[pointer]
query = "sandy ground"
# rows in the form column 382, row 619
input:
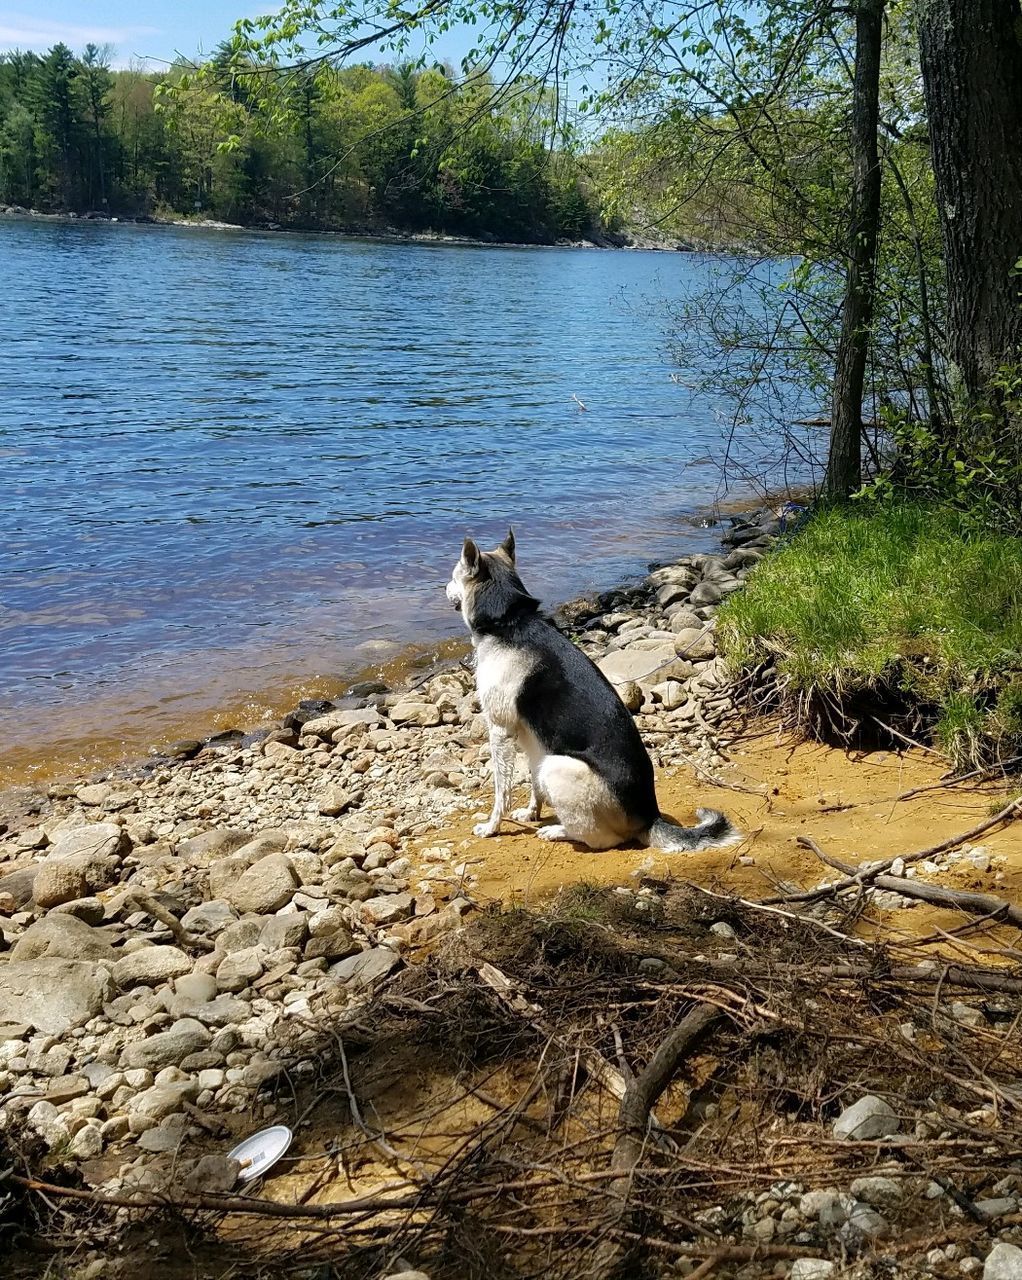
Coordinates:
column 792, row 790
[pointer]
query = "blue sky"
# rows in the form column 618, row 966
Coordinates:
column 143, row 29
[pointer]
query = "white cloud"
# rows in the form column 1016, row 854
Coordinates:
column 18, row 31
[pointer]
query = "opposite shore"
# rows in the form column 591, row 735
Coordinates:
column 633, row 239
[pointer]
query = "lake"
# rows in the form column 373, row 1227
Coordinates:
column 237, row 467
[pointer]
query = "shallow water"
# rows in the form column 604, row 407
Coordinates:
column 237, row 467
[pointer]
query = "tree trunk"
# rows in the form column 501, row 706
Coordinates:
column 971, row 57
column 844, row 465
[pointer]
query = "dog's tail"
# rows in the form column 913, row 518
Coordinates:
column 713, row 831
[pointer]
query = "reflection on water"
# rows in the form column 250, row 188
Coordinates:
column 229, row 460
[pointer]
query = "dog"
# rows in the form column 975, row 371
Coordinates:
column 542, row 695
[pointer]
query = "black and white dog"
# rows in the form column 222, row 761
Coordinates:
column 541, row 694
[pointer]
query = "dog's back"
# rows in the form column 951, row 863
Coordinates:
column 573, row 710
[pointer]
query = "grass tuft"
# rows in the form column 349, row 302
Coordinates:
column 905, row 602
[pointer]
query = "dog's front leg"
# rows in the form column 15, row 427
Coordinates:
column 534, row 809
column 502, row 762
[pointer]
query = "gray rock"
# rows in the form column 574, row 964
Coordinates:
column 241, row 934
column 162, row 1100
column 62, row 881
column 880, row 1192
column 94, row 840
column 1004, row 1262
column 870, row 1117
column 64, row 937
column 334, row 801
column 200, row 851
column 51, row 994
column 335, row 724
column 722, row 929
column 288, row 930
column 167, row 1048
column 151, row 967
column 332, row 946
column 86, row 1144
column 695, row 644
column 48, row 1122
column 424, row 714
column 365, row 968
column 705, row 593
column 18, row 885
column 811, row 1269
column 997, row 1206
column 210, row 1173
column 863, row 1223
column 266, row 886
column 209, row 918
column 814, row 1203
column 90, row 910
column 220, row 1012
column 388, row 908
column 197, row 988
column 239, row 969
column 165, row 1136
column 625, row 665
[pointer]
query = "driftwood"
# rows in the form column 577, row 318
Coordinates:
column 867, row 875
column 980, row 904
column 145, row 902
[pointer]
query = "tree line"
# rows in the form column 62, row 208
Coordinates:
column 360, row 147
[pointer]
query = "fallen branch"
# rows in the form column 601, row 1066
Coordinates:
column 635, row 1116
column 865, row 876
column 980, row 904
column 151, row 907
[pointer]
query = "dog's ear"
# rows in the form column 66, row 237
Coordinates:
column 508, row 545
column 470, row 557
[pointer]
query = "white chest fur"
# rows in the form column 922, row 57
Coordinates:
column 500, row 672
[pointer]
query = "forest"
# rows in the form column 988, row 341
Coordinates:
column 364, row 148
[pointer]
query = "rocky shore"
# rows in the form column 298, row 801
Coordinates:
column 172, row 937
column 176, row 938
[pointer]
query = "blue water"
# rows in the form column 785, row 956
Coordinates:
column 230, row 459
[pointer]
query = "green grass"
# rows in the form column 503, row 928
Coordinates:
column 900, row 599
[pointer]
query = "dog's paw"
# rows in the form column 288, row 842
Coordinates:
column 525, row 815
column 485, row 829
column 555, row 832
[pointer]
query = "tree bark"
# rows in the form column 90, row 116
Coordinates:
column 844, row 465
column 971, row 57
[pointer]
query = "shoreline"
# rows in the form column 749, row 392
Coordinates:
column 179, row 941
column 250, row 713
column 632, row 241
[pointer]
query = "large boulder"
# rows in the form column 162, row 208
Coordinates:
column 51, row 994
column 151, row 966
column 637, row 664
column 94, row 840
column 82, row 861
column 167, row 1048
column 201, row 850
column 265, row 887
column 65, row 937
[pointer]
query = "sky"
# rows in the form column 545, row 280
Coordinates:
column 147, row 30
